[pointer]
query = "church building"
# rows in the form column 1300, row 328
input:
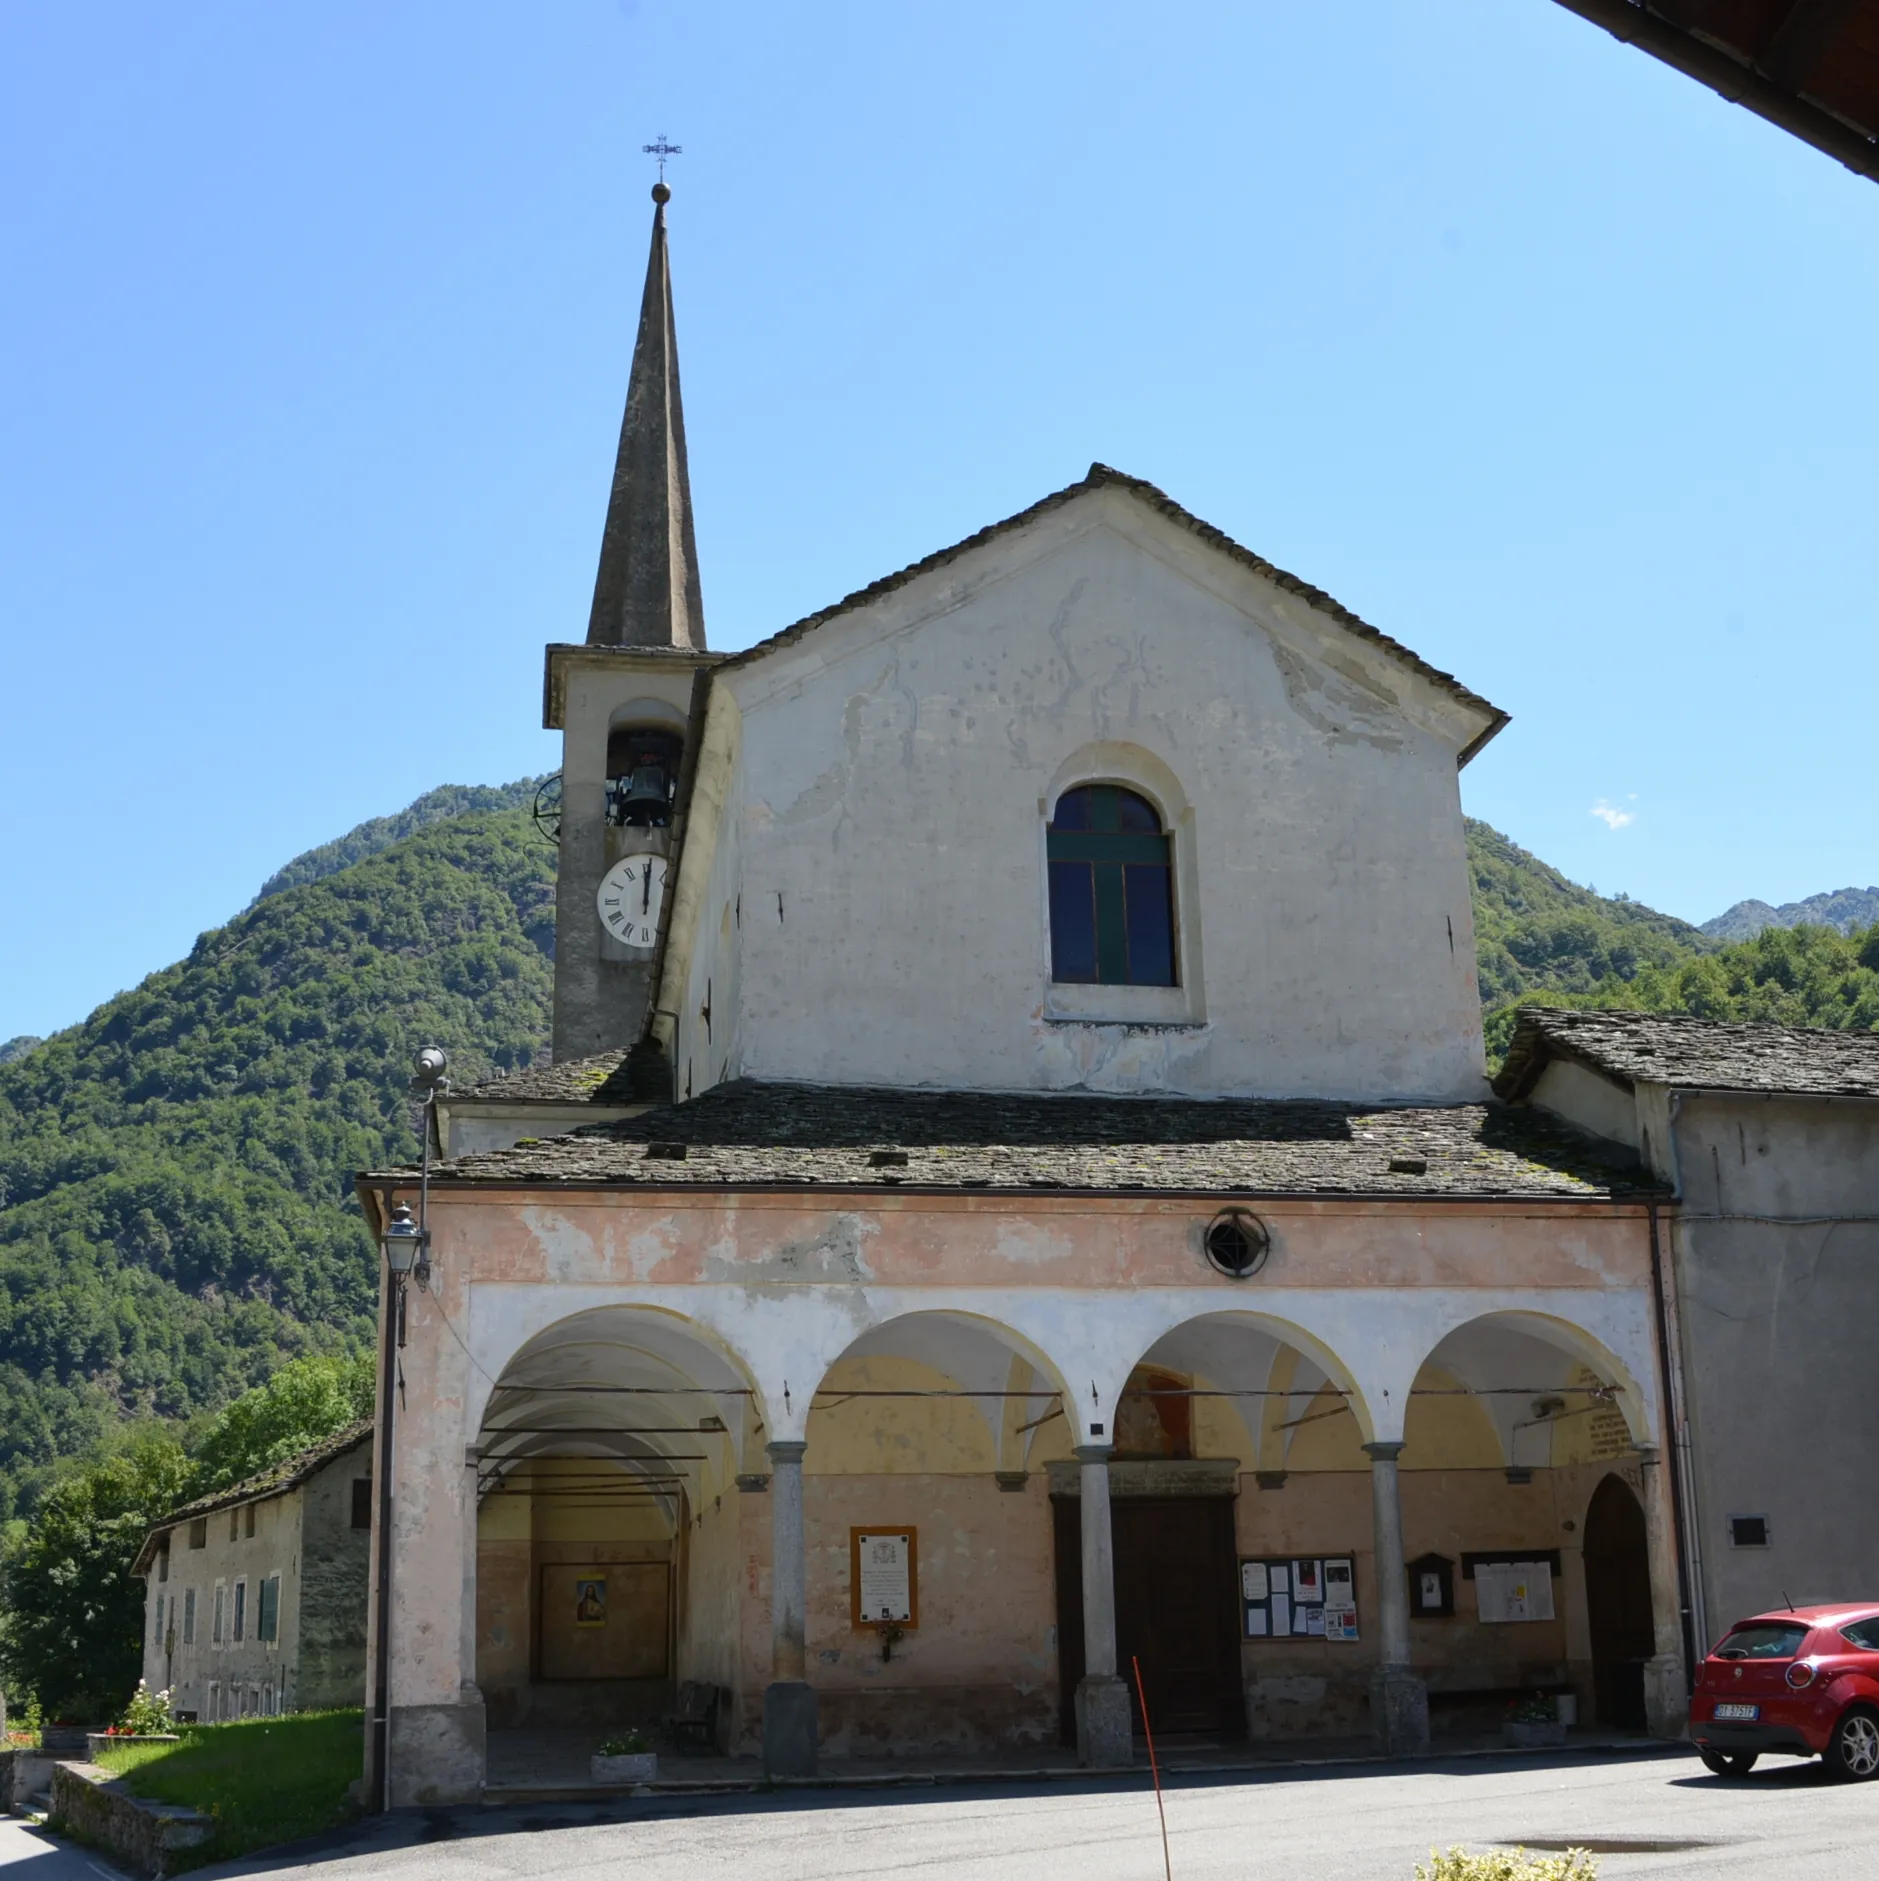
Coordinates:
column 1017, row 1197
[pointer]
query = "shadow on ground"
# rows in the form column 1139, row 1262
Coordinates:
column 469, row 1823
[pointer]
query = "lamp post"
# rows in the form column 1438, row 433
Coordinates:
column 407, row 1245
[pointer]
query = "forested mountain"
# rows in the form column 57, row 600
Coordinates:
column 176, row 1206
column 1846, row 909
column 380, row 832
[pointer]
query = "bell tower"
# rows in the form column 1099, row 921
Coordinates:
column 622, row 703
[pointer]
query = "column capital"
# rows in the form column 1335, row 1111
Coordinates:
column 1383, row 1452
column 1088, row 1453
column 784, row 1452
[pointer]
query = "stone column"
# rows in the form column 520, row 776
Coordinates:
column 1399, row 1701
column 1105, row 1738
column 789, row 1700
column 1666, row 1688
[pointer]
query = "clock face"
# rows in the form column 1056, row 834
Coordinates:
column 630, row 894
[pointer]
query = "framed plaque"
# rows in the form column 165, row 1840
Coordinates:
column 884, row 1576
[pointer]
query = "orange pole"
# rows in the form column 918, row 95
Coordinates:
column 1154, row 1769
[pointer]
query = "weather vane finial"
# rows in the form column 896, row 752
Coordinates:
column 662, row 150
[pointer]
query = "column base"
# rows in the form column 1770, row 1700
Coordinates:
column 438, row 1753
column 1666, row 1702
column 1399, row 1709
column 790, row 1729
column 1105, row 1735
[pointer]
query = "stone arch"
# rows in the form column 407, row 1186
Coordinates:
column 1517, row 1358
column 1007, row 1380
column 630, row 1381
column 1203, row 1345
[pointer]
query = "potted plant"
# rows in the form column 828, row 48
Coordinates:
column 147, row 1719
column 1533, row 1724
column 626, row 1757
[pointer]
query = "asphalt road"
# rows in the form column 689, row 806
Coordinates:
column 1652, row 1815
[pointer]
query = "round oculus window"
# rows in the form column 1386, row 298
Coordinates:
column 1237, row 1244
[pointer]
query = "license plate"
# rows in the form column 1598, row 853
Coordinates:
column 1745, row 1714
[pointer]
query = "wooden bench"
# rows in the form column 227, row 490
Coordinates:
column 696, row 1715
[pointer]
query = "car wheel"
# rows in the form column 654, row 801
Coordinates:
column 1852, row 1753
column 1729, row 1763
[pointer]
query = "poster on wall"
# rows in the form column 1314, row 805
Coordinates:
column 1510, row 1591
column 1298, row 1597
column 884, row 1582
column 590, row 1601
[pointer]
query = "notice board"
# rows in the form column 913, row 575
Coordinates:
column 1298, row 1597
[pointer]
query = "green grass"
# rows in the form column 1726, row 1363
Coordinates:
column 264, row 1780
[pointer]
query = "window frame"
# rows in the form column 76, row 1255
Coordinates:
column 1095, row 1002
column 189, row 1616
column 267, row 1611
column 238, row 1613
column 218, row 1617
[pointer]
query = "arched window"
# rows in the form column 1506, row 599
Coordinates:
column 1111, row 890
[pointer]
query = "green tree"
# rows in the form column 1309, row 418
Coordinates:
column 74, row 1611
column 306, row 1401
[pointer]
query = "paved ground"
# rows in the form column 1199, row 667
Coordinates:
column 1653, row 1815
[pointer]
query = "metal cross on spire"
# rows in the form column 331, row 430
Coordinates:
column 662, row 150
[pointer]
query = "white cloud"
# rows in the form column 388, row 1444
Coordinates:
column 1611, row 816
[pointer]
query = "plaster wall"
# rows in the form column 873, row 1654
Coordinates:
column 1776, row 1249
column 1593, row 1102
column 317, row 1659
column 1070, row 1292
column 899, row 763
column 601, row 993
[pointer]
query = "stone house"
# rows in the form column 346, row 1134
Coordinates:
column 255, row 1598
column 1769, row 1136
column 1041, row 1205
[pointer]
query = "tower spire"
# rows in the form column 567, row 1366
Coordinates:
column 646, row 592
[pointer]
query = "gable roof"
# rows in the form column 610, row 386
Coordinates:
column 1102, row 477
column 289, row 1473
column 747, row 1134
column 1697, row 1054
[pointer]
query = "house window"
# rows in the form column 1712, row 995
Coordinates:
column 268, row 1620
column 234, row 1525
column 220, row 1615
column 362, row 1502
column 189, row 1616
column 241, row 1612
column 199, row 1533
column 247, row 1522
column 163, row 1562
column 156, row 1631
column 1111, row 890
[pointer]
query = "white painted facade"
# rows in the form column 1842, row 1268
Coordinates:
column 872, row 808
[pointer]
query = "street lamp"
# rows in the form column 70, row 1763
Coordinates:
column 404, row 1240
column 407, row 1245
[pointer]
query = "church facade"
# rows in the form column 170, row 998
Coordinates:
column 1016, row 1226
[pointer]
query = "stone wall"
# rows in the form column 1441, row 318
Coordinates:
column 89, row 1803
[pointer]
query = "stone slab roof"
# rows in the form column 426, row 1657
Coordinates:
column 289, row 1473
column 749, row 1134
column 601, row 1079
column 1101, row 476
column 1697, row 1054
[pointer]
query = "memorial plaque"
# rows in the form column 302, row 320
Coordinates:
column 884, row 1580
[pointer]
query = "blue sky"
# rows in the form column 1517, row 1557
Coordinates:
column 1528, row 349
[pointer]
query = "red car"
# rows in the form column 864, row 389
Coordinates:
column 1803, row 1682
